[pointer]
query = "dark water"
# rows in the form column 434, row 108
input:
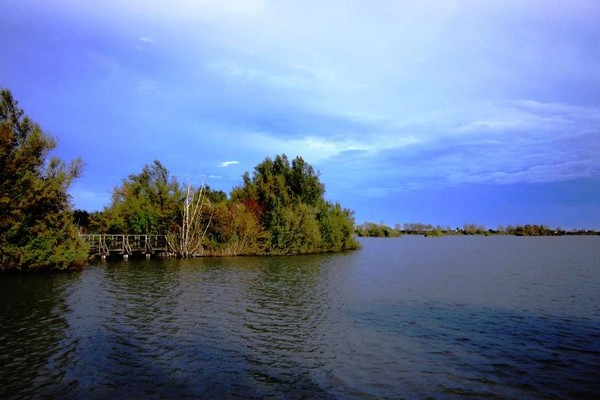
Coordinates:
column 441, row 318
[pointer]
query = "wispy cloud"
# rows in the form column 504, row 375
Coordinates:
column 288, row 78
column 533, row 116
column 320, row 148
column 519, row 142
column 226, row 164
column 147, row 39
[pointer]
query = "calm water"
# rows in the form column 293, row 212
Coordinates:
column 413, row 317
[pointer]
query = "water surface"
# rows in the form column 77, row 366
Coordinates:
column 412, row 317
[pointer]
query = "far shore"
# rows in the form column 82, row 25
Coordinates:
column 370, row 229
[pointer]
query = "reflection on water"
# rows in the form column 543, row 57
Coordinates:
column 402, row 318
column 33, row 331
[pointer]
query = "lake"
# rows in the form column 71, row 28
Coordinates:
column 411, row 317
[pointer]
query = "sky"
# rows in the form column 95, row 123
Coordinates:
column 442, row 112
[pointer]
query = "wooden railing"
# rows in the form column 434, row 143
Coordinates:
column 107, row 244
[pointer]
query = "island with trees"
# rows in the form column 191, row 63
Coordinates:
column 278, row 210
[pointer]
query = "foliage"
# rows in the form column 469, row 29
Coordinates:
column 280, row 210
column 337, row 227
column 419, row 228
column 153, row 202
column 473, row 229
column 434, row 233
column 531, row 230
column 235, row 230
column 371, row 229
column 145, row 203
column 287, row 199
column 36, row 230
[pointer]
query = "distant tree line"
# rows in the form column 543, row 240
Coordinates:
column 279, row 210
column 370, row 229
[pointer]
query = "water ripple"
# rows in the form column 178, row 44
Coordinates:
column 391, row 321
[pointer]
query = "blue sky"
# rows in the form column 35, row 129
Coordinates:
column 443, row 112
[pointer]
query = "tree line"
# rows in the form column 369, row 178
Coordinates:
column 371, row 229
column 278, row 210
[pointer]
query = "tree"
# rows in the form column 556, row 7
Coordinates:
column 235, row 230
column 287, row 199
column 189, row 233
column 145, row 203
column 337, row 227
column 153, row 202
column 473, row 229
column 36, row 228
column 372, row 229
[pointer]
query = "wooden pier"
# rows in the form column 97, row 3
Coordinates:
column 104, row 245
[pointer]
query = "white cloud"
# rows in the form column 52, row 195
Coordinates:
column 564, row 110
column 226, row 164
column 317, row 148
column 530, row 116
column 290, row 78
column 147, row 39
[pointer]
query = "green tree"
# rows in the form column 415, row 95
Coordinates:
column 287, row 199
column 371, row 229
column 146, row 203
column 337, row 227
column 36, row 228
column 153, row 202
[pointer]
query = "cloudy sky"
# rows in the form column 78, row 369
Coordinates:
column 443, row 112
